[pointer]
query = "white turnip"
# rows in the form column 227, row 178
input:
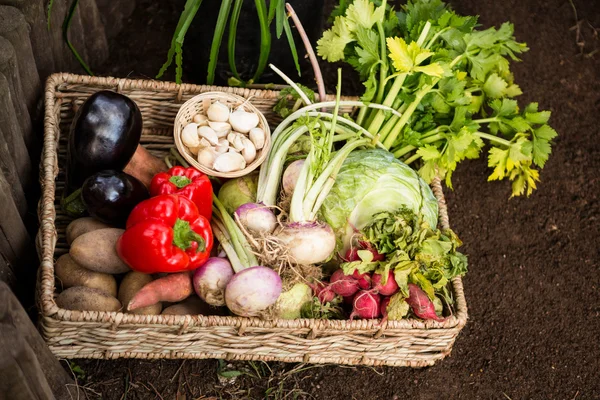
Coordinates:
column 307, row 242
column 211, row 279
column 257, row 218
column 252, row 291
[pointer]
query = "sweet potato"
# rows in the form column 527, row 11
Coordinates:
column 83, row 225
column 144, row 166
column 70, row 274
column 172, row 288
column 130, row 286
column 82, row 298
column 97, row 251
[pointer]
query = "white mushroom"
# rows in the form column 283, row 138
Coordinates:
column 257, row 135
column 242, row 121
column 207, row 157
column 209, row 134
column 222, row 147
column 200, row 119
column 229, row 162
column 249, row 151
column 221, row 128
column 189, row 136
column 218, row 112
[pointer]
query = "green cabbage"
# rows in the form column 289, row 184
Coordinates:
column 372, row 181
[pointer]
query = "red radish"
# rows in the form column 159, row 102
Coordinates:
column 390, row 286
column 344, row 285
column 323, row 292
column 171, row 288
column 420, row 304
column 368, row 246
column 366, row 305
column 364, row 279
column 351, row 255
column 384, row 305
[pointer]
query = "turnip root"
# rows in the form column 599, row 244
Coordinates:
column 70, row 274
column 83, row 225
column 252, row 291
column 344, row 285
column 257, row 218
column 420, row 304
column 210, row 280
column 389, row 288
column 130, row 285
column 289, row 304
column 171, row 288
column 290, row 176
column 307, row 242
column 82, row 298
column 366, row 305
column 144, row 166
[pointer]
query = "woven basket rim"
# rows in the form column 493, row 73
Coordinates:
column 263, row 124
column 46, row 238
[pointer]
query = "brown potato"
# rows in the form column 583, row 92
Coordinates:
column 83, row 225
column 131, row 284
column 97, row 251
column 70, row 274
column 82, row 298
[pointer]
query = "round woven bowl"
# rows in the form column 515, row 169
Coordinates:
column 198, row 105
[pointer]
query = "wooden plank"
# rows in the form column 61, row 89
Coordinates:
column 11, row 132
column 114, row 15
column 12, row 230
column 28, row 370
column 15, row 29
column 41, row 39
column 64, row 59
column 95, row 36
column 10, row 69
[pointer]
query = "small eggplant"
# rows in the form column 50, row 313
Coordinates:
column 109, row 196
column 104, row 135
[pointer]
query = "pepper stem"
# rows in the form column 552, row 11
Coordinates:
column 184, row 236
column 180, row 181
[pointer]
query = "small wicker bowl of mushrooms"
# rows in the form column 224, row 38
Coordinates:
column 222, row 134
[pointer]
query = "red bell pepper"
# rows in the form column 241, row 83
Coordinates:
column 165, row 233
column 187, row 182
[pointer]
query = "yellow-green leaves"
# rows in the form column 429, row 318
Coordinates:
column 514, row 162
column 363, row 13
column 407, row 58
column 331, row 46
column 496, row 87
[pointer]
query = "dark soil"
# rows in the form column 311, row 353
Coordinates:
column 533, row 287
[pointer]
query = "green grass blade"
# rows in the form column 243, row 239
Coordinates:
column 66, row 26
column 233, row 23
column 217, row 38
column 272, row 8
column 265, row 38
column 279, row 18
column 292, row 44
column 185, row 20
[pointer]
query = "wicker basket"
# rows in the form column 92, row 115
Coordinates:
column 197, row 105
column 109, row 335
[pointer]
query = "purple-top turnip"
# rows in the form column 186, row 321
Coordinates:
column 211, row 279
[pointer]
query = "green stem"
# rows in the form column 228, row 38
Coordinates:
column 217, row 38
column 493, row 138
column 389, row 100
column 362, row 113
column 265, row 38
column 485, row 120
column 383, row 68
column 424, row 34
column 178, row 157
column 233, row 23
column 221, row 234
column 428, row 138
column 415, row 157
column 73, row 204
column 435, row 37
column 391, row 138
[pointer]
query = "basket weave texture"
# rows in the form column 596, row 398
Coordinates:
column 110, row 335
